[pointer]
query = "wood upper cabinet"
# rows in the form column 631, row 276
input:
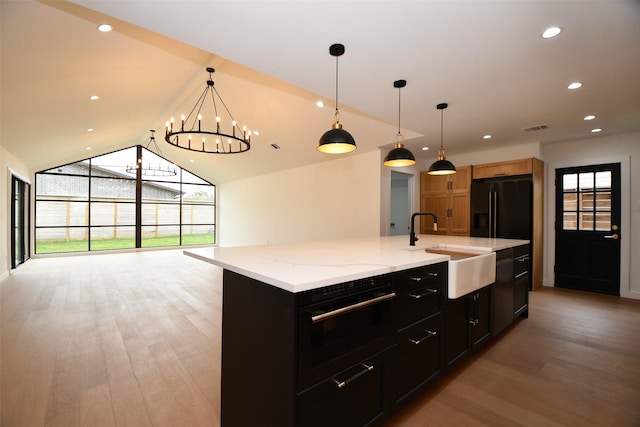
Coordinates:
column 508, row 168
column 447, row 196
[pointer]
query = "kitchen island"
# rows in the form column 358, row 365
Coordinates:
column 338, row 332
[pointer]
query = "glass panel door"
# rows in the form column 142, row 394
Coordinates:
column 20, row 222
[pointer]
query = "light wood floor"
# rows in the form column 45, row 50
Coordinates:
column 134, row 340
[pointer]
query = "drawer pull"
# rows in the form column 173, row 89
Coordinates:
column 426, row 292
column 426, row 337
column 473, row 322
column 428, row 274
column 342, row 384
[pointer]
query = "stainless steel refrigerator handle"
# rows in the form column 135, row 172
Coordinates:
column 334, row 313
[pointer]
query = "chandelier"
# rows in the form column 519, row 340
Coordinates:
column 149, row 169
column 192, row 132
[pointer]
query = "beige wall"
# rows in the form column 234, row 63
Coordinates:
column 335, row 199
column 8, row 165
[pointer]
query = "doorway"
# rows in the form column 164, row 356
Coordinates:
column 588, row 234
column 20, row 221
column 400, row 203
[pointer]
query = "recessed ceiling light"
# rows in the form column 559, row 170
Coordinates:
column 574, row 85
column 256, row 133
column 551, row 32
column 104, row 28
column 88, row 148
column 319, row 104
column 425, row 148
column 596, row 130
column 192, row 161
column 486, row 137
column 94, row 97
column 589, row 117
column 90, row 130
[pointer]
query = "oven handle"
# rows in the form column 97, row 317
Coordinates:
column 342, row 310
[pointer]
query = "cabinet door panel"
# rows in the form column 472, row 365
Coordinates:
column 438, row 204
column 433, row 183
column 461, row 180
column 481, row 328
column 457, row 323
column 417, row 359
column 515, row 167
column 459, row 221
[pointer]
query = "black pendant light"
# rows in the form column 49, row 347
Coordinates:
column 336, row 140
column 442, row 166
column 399, row 156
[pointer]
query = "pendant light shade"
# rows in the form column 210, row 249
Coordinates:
column 336, row 140
column 442, row 166
column 399, row 156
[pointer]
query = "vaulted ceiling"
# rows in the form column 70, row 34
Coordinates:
column 487, row 59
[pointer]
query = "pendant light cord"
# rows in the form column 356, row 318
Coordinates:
column 337, row 86
column 399, row 90
column 441, row 128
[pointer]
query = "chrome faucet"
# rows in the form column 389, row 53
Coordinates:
column 412, row 235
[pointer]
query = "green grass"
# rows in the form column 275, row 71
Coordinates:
column 122, row 243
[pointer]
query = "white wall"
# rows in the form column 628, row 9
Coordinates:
column 8, row 165
column 330, row 200
column 624, row 149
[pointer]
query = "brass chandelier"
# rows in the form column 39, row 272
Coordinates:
column 204, row 131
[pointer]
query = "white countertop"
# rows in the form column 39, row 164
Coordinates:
column 298, row 267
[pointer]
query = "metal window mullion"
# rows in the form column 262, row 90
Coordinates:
column 138, row 242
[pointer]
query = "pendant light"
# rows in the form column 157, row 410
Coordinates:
column 336, row 140
column 399, row 156
column 442, row 166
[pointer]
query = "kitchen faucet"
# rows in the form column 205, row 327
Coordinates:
column 412, row 235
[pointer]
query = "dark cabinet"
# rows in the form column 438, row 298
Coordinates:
column 353, row 397
column 420, row 293
column 468, row 323
column 510, row 292
column 480, row 320
column 418, row 354
column 417, row 359
column 522, row 280
column 502, row 292
column 395, row 336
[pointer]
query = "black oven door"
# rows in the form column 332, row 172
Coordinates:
column 334, row 335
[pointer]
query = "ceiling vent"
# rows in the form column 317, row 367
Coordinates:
column 535, row 128
column 275, row 146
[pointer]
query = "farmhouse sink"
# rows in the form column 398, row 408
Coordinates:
column 468, row 270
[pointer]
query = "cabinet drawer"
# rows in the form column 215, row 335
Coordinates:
column 417, row 359
column 420, row 293
column 521, row 267
column 353, row 397
column 521, row 297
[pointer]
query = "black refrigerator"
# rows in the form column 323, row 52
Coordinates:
column 501, row 207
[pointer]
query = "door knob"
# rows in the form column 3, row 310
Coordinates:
column 613, row 236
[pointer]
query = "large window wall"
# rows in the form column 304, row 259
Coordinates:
column 130, row 198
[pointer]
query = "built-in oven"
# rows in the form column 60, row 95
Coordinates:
column 340, row 325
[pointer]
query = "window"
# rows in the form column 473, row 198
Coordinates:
column 586, row 201
column 130, row 198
